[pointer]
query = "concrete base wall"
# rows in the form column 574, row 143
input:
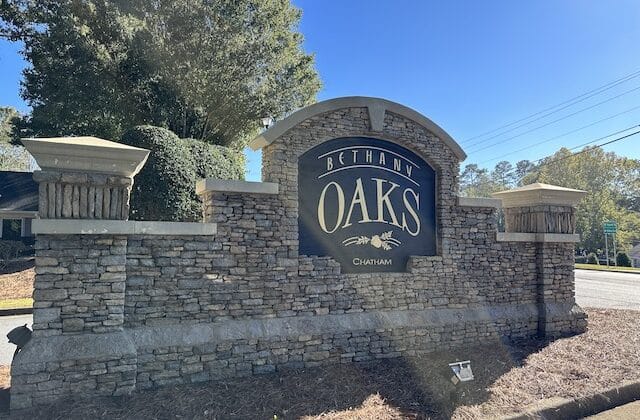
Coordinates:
column 146, row 357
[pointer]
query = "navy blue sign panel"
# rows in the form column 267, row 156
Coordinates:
column 368, row 203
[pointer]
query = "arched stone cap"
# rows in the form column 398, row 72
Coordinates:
column 377, row 108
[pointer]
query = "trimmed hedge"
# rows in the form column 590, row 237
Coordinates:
column 592, row 259
column 623, row 260
column 165, row 188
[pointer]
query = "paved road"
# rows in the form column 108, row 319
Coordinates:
column 604, row 289
column 7, row 323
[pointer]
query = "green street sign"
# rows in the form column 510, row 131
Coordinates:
column 610, row 227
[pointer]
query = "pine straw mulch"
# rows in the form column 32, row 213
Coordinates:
column 16, row 280
column 509, row 377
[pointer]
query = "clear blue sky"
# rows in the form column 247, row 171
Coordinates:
column 470, row 66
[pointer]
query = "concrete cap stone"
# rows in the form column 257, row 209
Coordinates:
column 479, row 202
column 86, row 154
column 539, row 194
column 120, row 227
column 235, row 186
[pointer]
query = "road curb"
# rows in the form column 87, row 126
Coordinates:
column 608, row 271
column 585, row 406
column 16, row 311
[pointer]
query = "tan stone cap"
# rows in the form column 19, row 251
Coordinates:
column 377, row 108
column 235, row 186
column 539, row 194
column 120, row 227
column 86, row 154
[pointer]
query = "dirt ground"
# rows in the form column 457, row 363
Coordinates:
column 16, row 280
column 508, row 378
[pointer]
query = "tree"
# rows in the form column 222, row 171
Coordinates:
column 204, row 69
column 476, row 182
column 503, row 176
column 14, row 158
column 523, row 167
column 8, row 119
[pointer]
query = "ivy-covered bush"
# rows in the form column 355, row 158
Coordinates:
column 165, row 187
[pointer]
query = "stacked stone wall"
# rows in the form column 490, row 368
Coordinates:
column 80, row 284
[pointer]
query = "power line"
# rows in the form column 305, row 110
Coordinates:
column 537, row 161
column 577, row 99
column 555, row 121
column 580, row 152
column 609, row 142
column 565, row 134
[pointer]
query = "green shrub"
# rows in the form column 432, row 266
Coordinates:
column 592, row 259
column 165, row 187
column 10, row 250
column 11, row 229
column 623, row 260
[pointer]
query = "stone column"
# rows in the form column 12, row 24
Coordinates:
column 545, row 214
column 80, row 281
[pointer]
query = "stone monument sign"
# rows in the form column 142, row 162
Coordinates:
column 355, row 246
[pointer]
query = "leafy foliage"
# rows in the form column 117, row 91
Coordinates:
column 165, row 187
column 9, row 117
column 203, row 69
column 592, row 259
column 14, row 158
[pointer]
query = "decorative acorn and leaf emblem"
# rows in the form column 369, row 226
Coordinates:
column 383, row 240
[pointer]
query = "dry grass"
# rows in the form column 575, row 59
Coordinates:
column 605, row 268
column 16, row 303
column 16, row 280
column 509, row 377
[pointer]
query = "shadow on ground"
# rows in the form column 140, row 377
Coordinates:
column 410, row 387
column 15, row 266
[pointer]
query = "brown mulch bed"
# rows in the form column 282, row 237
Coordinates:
column 509, row 377
column 16, row 280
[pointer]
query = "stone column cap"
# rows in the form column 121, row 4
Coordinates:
column 235, row 186
column 86, row 154
column 539, row 194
